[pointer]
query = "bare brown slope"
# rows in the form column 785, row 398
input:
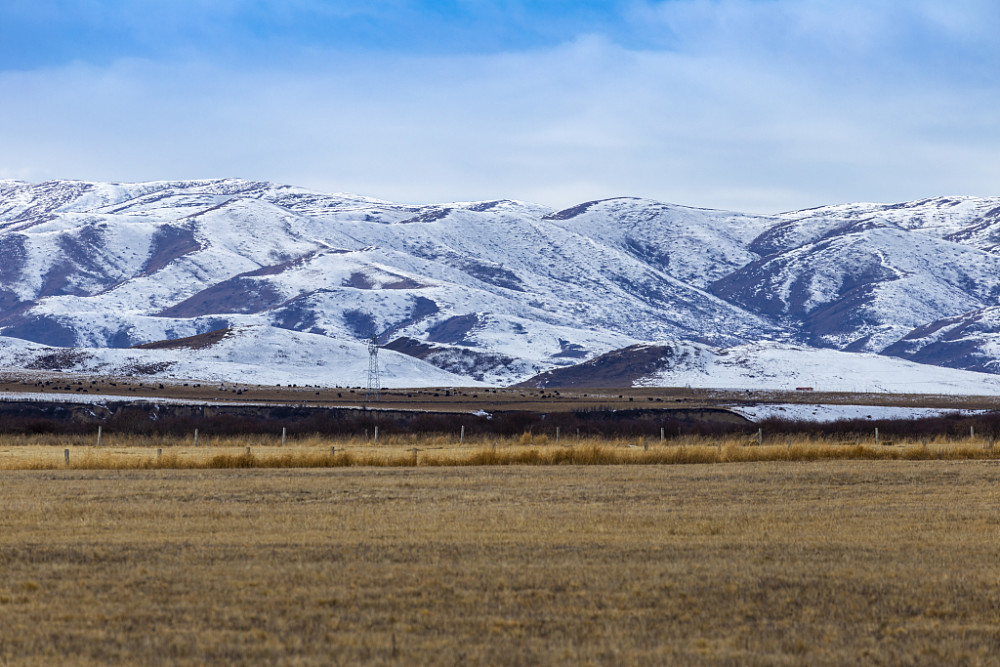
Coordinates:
column 199, row 342
column 618, row 368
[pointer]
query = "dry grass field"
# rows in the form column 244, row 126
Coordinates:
column 816, row 562
column 130, row 452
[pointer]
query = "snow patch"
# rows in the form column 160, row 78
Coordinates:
column 830, row 413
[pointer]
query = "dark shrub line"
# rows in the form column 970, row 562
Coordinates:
column 180, row 421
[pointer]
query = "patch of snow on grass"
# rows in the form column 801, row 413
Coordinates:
column 831, row 413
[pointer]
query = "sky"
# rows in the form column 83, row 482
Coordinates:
column 751, row 105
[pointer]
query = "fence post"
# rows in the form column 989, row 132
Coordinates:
column 557, row 434
column 760, row 436
column 282, row 436
column 248, row 451
column 645, row 445
column 663, row 435
column 461, row 434
column 375, row 440
column 159, row 452
column 66, row 455
column 972, row 431
column 876, row 435
column 98, row 436
column 333, row 450
column 196, row 437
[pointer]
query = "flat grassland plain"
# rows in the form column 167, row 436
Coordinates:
column 790, row 562
column 419, row 549
column 457, row 399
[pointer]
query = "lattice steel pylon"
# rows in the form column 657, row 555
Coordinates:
column 374, row 382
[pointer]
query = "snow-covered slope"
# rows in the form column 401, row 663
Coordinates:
column 942, row 217
column 865, row 286
column 970, row 340
column 496, row 291
column 693, row 245
column 250, row 355
column 767, row 366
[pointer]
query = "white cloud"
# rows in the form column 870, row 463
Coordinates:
column 724, row 119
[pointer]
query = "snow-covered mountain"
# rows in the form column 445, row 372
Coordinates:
column 495, row 291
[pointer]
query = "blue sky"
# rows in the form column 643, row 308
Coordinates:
column 755, row 105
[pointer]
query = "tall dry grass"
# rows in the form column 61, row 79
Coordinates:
column 153, row 452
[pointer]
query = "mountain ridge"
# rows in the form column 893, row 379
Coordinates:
column 517, row 287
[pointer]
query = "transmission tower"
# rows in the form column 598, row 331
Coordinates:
column 374, row 383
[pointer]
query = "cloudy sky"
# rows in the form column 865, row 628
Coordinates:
column 753, row 105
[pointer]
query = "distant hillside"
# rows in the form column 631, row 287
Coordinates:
column 494, row 292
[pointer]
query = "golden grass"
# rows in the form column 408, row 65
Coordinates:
column 819, row 563
column 48, row 452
